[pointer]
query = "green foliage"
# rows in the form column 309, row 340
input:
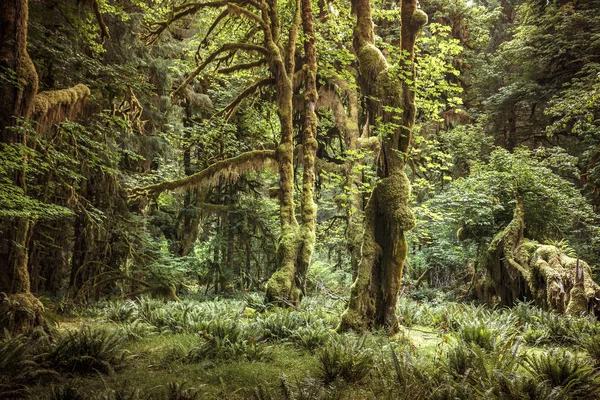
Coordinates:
column 87, row 350
column 347, row 358
column 566, row 373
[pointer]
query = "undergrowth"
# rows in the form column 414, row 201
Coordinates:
column 244, row 348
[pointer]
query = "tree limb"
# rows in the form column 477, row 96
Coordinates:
column 250, row 90
column 225, row 48
column 243, row 67
column 245, row 162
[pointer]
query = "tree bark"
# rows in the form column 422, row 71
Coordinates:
column 16, row 100
column 387, row 215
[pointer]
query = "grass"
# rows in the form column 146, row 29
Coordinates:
column 244, row 349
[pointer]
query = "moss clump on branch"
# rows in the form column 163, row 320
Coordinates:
column 389, row 88
column 46, row 101
column 54, row 106
column 419, row 18
column 392, row 194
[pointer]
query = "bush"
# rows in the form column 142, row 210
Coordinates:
column 346, row 358
column 565, row 373
column 87, row 350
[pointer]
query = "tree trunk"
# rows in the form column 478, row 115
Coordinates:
column 519, row 269
column 387, row 215
column 294, row 250
column 17, row 101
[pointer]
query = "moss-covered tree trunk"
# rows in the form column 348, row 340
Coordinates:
column 296, row 245
column 387, row 215
column 16, row 100
column 517, row 268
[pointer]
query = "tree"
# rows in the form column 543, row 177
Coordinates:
column 265, row 38
column 390, row 106
column 20, row 100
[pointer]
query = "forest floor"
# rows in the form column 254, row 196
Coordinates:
column 243, row 349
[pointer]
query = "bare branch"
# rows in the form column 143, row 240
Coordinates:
column 248, row 14
column 225, row 48
column 250, row 90
column 178, row 12
column 243, row 67
column 231, row 167
column 215, row 23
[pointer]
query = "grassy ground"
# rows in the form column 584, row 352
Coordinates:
column 242, row 349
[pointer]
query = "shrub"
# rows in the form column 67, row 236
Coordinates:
column 281, row 324
column 18, row 367
column 87, row 350
column 592, row 346
column 565, row 372
column 346, row 358
column 313, row 336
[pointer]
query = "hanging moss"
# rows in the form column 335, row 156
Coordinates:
column 46, row 101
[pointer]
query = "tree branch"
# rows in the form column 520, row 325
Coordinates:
column 243, row 67
column 231, row 167
column 250, row 90
column 226, row 47
column 104, row 33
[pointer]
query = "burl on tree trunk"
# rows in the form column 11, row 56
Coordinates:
column 521, row 269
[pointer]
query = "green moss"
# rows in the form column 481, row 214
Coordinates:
column 281, row 287
column 393, row 193
column 419, row 18
column 578, row 301
column 352, row 321
column 389, row 88
column 371, row 62
column 46, row 101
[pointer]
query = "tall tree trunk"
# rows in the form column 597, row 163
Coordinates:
column 16, row 100
column 296, row 245
column 387, row 215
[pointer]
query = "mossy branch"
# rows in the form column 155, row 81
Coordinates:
column 54, row 106
column 231, row 167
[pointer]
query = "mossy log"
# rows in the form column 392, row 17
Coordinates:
column 521, row 269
